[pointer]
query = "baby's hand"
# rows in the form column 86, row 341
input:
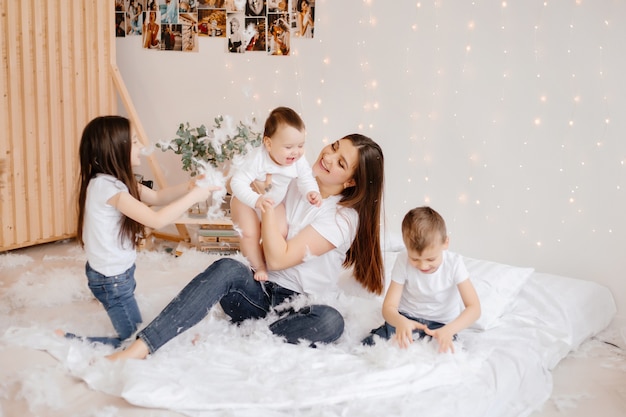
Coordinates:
column 262, row 203
column 314, row 198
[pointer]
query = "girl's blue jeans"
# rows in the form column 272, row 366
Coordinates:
column 232, row 284
column 386, row 331
column 116, row 293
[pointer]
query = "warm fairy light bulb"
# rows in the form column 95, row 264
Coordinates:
column 325, row 120
column 471, row 25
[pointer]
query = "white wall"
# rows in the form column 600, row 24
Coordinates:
column 507, row 117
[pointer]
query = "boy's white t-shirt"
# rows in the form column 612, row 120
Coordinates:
column 101, row 228
column 433, row 296
column 257, row 165
column 317, row 275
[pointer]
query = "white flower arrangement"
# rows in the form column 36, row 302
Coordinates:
column 205, row 152
column 226, row 140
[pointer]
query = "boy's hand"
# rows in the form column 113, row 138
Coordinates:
column 314, row 198
column 404, row 332
column 443, row 337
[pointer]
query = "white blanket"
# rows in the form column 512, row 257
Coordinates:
column 219, row 369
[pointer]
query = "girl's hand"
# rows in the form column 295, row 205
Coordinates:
column 203, row 193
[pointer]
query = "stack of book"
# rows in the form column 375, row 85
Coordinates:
column 218, row 237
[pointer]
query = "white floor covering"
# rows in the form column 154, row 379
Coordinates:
column 590, row 381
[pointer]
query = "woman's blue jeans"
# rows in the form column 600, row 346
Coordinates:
column 232, row 284
column 117, row 295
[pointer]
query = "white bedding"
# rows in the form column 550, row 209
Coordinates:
column 501, row 368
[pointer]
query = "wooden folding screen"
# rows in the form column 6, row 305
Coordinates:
column 55, row 77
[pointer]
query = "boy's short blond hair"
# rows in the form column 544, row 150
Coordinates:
column 422, row 227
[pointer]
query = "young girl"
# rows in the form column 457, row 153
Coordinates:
column 281, row 157
column 343, row 232
column 112, row 211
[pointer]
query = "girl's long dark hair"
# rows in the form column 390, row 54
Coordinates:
column 366, row 198
column 105, row 148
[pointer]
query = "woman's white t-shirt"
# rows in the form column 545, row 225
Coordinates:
column 317, row 275
column 101, row 228
column 433, row 296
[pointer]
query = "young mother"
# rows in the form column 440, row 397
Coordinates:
column 344, row 231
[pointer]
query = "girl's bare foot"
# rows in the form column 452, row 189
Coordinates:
column 137, row 350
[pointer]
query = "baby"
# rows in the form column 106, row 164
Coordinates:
column 281, row 157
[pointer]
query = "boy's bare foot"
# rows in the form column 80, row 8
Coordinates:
column 137, row 350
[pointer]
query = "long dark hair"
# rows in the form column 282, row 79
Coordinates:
column 105, row 147
column 366, row 198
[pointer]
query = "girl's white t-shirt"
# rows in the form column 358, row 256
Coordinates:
column 433, row 296
column 101, row 228
column 317, row 275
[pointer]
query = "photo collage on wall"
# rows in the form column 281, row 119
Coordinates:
column 265, row 26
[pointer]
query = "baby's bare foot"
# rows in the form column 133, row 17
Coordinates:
column 260, row 275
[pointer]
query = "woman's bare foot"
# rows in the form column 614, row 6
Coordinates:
column 137, row 350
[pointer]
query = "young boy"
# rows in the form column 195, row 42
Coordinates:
column 427, row 286
column 280, row 156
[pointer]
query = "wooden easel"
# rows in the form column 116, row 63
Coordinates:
column 183, row 233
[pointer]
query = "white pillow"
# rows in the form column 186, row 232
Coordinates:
column 497, row 286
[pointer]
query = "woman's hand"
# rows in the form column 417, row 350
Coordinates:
column 261, row 187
